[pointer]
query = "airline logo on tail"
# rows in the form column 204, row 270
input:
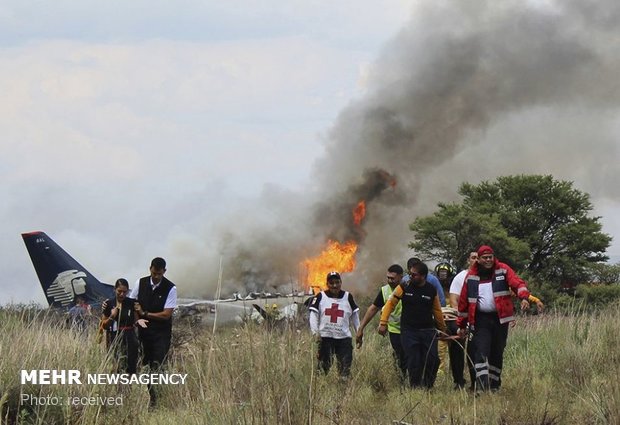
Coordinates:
column 61, row 276
column 66, row 286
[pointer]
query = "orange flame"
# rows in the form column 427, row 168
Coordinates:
column 359, row 212
column 336, row 257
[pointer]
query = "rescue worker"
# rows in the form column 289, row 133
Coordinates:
column 445, row 273
column 433, row 280
column 457, row 357
column 485, row 305
column 420, row 317
column 275, row 312
column 456, row 348
column 394, row 277
column 332, row 312
column 273, row 315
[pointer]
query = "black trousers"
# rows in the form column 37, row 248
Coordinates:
column 125, row 346
column 420, row 347
column 399, row 354
column 490, row 338
column 342, row 349
column 155, row 347
column 458, row 360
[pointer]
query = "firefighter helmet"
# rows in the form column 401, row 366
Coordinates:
column 444, row 267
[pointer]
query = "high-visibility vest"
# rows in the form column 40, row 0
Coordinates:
column 394, row 320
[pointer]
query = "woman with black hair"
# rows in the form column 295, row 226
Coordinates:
column 119, row 319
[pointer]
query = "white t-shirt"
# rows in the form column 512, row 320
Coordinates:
column 486, row 299
column 457, row 283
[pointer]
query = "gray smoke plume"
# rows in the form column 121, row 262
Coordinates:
column 334, row 218
column 466, row 91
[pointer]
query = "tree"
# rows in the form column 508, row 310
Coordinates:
column 605, row 274
column 544, row 223
column 454, row 231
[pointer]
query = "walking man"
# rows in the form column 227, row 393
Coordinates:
column 332, row 312
column 485, row 305
column 420, row 317
column 394, row 277
column 157, row 299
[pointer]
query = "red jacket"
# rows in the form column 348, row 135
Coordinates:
column 503, row 279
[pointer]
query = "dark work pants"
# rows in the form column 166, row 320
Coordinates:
column 420, row 346
column 490, row 340
column 399, row 354
column 155, row 346
column 458, row 360
column 342, row 349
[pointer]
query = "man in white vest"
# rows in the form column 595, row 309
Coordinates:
column 332, row 312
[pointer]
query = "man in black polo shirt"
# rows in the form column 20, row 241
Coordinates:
column 157, row 299
column 420, row 317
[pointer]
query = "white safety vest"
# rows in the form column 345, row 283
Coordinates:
column 334, row 316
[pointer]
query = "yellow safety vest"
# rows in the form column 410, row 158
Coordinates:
column 394, row 320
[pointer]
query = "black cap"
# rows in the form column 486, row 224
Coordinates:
column 333, row 275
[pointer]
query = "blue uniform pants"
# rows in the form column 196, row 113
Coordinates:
column 420, row 347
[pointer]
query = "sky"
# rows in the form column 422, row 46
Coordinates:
column 239, row 130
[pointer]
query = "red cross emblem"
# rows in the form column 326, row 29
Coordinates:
column 334, row 313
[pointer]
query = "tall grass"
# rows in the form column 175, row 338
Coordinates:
column 559, row 369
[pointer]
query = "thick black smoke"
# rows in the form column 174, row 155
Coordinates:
column 334, row 218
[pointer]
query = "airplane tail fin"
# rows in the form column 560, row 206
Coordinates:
column 62, row 277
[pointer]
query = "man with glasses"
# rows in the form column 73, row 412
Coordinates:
column 420, row 317
column 485, row 305
column 394, row 276
column 431, row 278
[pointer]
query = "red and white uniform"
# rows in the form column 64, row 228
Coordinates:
column 491, row 295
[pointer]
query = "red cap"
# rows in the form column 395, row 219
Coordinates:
column 484, row 249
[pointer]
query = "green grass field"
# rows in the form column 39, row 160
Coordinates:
column 559, row 369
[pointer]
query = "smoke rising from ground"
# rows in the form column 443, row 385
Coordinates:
column 466, row 91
